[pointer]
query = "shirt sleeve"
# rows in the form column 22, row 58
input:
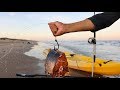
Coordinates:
column 104, row 20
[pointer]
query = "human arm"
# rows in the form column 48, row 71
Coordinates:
column 94, row 23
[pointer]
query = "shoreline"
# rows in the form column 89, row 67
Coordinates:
column 13, row 60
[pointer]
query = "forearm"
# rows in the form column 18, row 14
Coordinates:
column 94, row 23
column 85, row 25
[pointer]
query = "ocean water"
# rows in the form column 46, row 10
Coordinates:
column 109, row 50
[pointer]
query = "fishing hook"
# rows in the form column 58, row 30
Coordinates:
column 57, row 44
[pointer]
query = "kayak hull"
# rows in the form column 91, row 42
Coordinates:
column 101, row 66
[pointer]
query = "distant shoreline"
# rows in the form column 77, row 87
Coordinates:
column 13, row 60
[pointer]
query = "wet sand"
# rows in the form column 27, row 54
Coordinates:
column 13, row 60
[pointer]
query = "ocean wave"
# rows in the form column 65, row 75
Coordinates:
column 108, row 50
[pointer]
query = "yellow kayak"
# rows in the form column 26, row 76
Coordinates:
column 101, row 66
column 84, row 63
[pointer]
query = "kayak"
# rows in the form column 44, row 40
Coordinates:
column 84, row 63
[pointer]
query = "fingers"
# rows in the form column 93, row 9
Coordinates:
column 58, row 33
column 60, row 28
column 53, row 28
column 57, row 28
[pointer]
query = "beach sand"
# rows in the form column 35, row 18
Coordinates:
column 13, row 60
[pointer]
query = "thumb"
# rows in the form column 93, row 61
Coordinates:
column 59, row 32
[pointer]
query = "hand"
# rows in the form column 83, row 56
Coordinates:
column 57, row 28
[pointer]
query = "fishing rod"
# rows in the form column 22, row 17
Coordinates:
column 93, row 41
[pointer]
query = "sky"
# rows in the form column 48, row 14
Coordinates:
column 34, row 26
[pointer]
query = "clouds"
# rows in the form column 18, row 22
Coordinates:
column 46, row 17
column 11, row 13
